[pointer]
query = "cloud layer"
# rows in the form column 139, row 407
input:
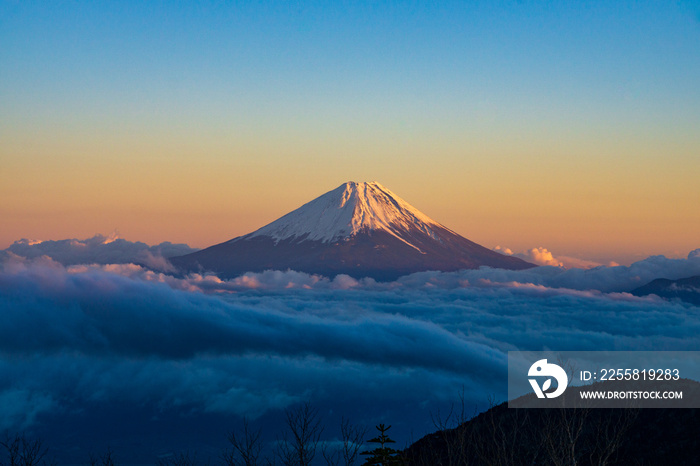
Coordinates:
column 542, row 256
column 77, row 339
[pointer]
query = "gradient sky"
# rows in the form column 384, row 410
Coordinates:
column 569, row 125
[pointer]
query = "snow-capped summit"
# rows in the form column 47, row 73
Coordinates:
column 350, row 209
column 358, row 229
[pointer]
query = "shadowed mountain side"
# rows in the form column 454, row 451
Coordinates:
column 375, row 254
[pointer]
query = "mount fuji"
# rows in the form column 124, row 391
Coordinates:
column 358, row 229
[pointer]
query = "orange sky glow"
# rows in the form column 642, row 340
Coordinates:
column 521, row 127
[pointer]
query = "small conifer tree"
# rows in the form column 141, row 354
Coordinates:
column 383, row 455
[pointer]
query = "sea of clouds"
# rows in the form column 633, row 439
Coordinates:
column 78, row 340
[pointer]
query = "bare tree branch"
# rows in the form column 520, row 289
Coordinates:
column 247, row 447
column 298, row 445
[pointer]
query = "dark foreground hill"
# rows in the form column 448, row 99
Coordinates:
column 507, row 436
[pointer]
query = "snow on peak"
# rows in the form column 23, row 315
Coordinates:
column 347, row 210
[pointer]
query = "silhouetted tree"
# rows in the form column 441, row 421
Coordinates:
column 383, row 455
column 246, row 447
column 106, row 459
column 22, row 451
column 450, row 427
column 352, row 437
column 298, row 446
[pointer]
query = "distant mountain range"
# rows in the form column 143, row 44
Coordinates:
column 685, row 289
column 358, row 229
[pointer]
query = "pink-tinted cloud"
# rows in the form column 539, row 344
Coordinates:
column 542, row 256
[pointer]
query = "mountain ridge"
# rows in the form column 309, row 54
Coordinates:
column 357, row 229
column 683, row 289
column 346, row 211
